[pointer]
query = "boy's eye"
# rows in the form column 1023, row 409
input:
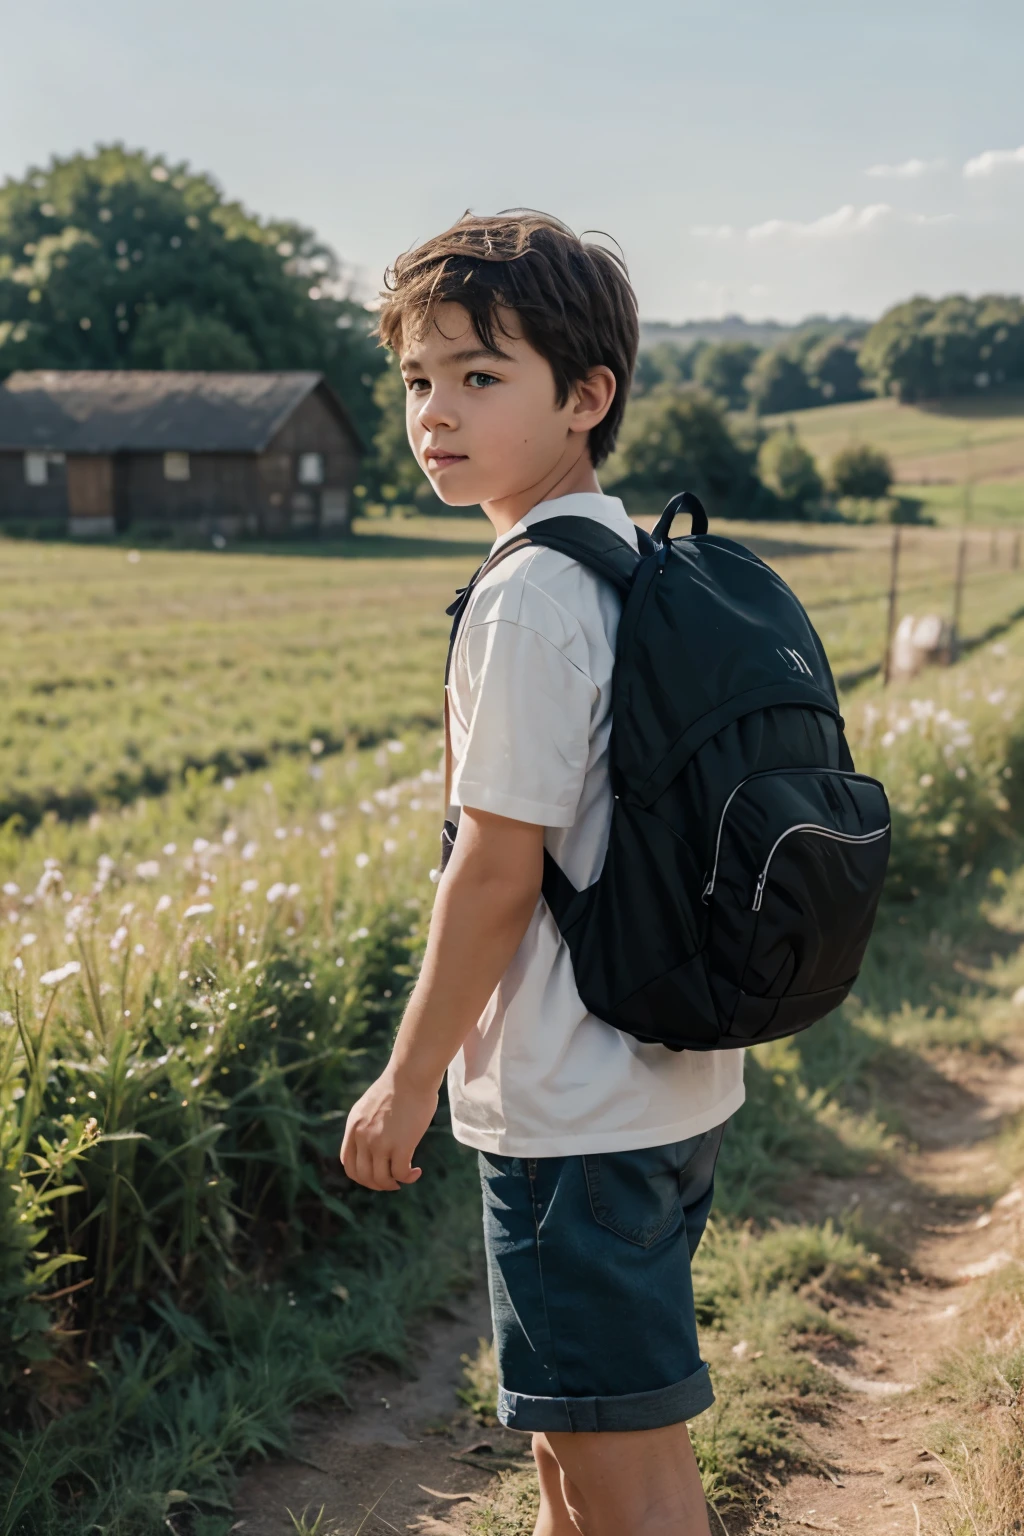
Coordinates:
column 416, row 386
column 480, row 380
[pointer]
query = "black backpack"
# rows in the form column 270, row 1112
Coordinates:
column 746, row 857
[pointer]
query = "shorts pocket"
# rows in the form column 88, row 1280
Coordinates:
column 636, row 1194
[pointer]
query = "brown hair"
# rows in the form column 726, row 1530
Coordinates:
column 574, row 301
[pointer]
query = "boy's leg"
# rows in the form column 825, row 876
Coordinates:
column 554, row 1518
column 645, row 1482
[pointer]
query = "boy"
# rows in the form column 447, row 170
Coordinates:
column 517, row 343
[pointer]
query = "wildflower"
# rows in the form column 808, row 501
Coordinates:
column 149, row 869
column 326, row 850
column 340, row 961
column 390, row 845
column 27, row 939
column 277, row 890
column 926, row 781
column 170, row 848
column 140, row 949
column 47, row 880
column 360, row 933
column 199, row 909
column 248, row 886
column 280, row 833
column 229, row 837
column 293, row 890
column 326, row 821
column 10, row 889
column 997, row 696
column 6, row 1019
column 396, row 747
column 250, row 850
column 888, row 738
column 18, row 965
column 362, row 859
column 366, row 806
column 316, row 746
column 268, row 788
column 961, row 772
column 316, row 771
column 163, row 904
column 228, row 784
column 999, row 650
column 104, row 868
column 119, row 936
column 54, row 978
column 200, row 844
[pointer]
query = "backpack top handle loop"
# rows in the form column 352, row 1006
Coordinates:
column 686, row 501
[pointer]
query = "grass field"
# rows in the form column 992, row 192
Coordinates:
column 123, row 669
column 935, row 448
column 200, row 971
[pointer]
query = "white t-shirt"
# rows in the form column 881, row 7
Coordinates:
column 529, row 702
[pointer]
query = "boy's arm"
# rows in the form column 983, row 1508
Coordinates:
column 484, row 905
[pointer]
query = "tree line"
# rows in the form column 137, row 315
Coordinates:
column 119, row 259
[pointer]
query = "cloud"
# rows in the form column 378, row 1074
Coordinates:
column 907, row 170
column 847, row 220
column 931, row 218
column 992, row 160
column 713, row 231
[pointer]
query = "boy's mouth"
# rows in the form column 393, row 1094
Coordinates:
column 440, row 458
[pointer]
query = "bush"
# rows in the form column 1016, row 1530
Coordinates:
column 787, row 468
column 861, row 471
column 676, row 440
column 778, row 383
column 886, row 509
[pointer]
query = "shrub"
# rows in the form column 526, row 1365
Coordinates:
column 861, row 471
column 787, row 468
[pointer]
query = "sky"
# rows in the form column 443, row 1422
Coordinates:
column 772, row 160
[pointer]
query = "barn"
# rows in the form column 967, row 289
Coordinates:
column 97, row 453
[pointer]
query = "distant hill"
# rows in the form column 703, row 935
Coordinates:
column 760, row 333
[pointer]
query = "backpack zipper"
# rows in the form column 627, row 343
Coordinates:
column 765, row 773
column 810, row 826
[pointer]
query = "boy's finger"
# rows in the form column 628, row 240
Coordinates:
column 403, row 1171
column 382, row 1178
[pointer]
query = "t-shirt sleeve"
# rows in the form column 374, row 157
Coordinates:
column 528, row 727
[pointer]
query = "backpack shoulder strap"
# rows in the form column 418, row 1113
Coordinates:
column 591, row 544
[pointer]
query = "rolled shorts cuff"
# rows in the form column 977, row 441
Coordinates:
column 593, row 1415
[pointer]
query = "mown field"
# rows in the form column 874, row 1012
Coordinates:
column 202, row 961
column 935, row 448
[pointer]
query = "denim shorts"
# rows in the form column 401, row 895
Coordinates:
column 588, row 1263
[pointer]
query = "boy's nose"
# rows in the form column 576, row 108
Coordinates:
column 437, row 412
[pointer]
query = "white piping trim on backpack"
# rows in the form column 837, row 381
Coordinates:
column 810, row 826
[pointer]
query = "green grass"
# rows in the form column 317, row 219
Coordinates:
column 944, row 443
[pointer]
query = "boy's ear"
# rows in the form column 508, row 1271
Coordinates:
column 591, row 399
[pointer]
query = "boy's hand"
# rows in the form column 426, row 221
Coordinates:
column 383, row 1131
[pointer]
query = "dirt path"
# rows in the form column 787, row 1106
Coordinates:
column 881, row 1478
column 388, row 1463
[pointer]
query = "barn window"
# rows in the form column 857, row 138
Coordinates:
column 176, row 466
column 35, row 469
column 311, row 469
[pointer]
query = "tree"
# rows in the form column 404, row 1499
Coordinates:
column 665, row 363
column 862, row 472
column 722, row 370
column 787, row 468
column 776, row 383
column 834, row 371
column 120, row 260
column 674, row 440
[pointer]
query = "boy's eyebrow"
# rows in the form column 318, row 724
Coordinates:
column 469, row 356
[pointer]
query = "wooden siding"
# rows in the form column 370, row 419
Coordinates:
column 21, row 502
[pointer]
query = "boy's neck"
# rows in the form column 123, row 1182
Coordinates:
column 563, row 480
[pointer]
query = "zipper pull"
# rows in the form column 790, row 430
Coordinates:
column 705, row 894
column 759, row 892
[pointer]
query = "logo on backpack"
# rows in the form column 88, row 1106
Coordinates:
column 794, row 661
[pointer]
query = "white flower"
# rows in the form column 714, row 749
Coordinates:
column 390, row 845
column 199, row 909
column 140, row 949
column 163, row 905
column 293, row 890
column 48, row 879
column 8, row 1018
column 327, row 821
column 362, row 859
column 277, row 890
column 228, row 784
column 888, row 738
column 961, row 773
column 170, row 848
column 340, row 961
column 250, row 850
column 396, row 746
column 366, row 806
column 926, row 780
column 248, row 886
column 27, row 939
column 118, row 938
column 280, row 833
column 360, row 933
column 54, row 978
column 316, row 746
column 10, row 889
column 200, row 844
column 997, row 696
column 149, row 869
column 326, row 850
column 230, row 837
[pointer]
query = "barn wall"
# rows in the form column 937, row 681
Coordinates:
column 220, row 495
column 20, row 502
column 289, row 506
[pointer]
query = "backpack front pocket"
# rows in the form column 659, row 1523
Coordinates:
column 799, row 862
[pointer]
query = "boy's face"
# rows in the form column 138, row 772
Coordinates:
column 484, row 426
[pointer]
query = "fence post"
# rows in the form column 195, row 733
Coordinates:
column 890, row 627
column 958, row 591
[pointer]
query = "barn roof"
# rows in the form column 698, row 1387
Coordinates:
column 119, row 411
